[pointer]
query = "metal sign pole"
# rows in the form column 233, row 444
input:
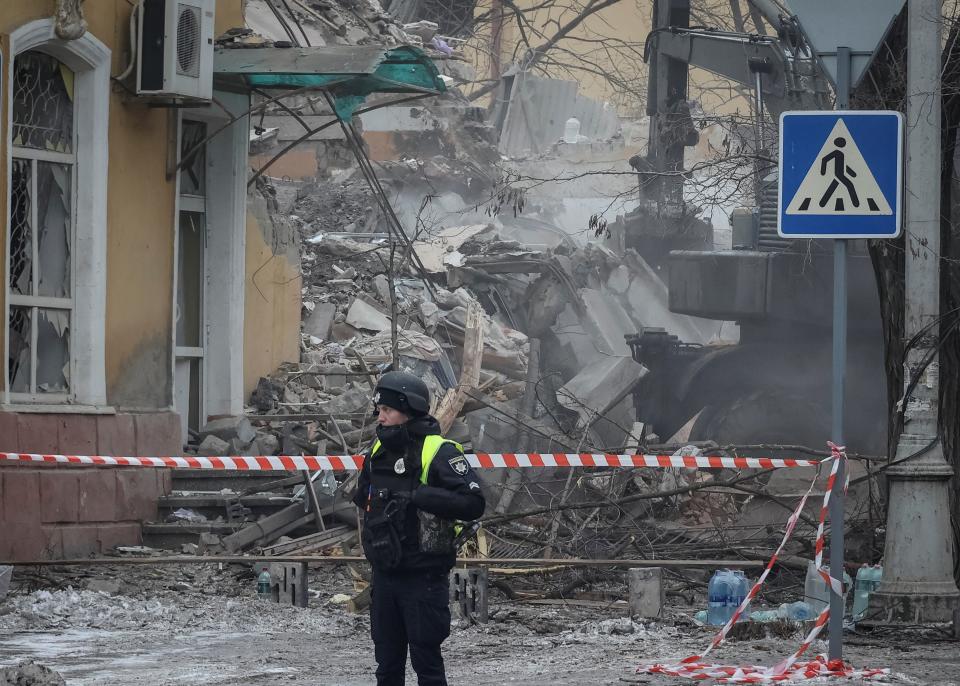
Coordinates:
column 839, row 389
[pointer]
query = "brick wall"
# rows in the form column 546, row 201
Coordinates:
column 54, row 512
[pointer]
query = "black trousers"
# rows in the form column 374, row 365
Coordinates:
column 410, row 609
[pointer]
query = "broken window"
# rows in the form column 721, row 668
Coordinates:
column 40, row 268
column 53, row 224
column 42, row 103
column 191, row 278
column 193, row 176
column 21, row 231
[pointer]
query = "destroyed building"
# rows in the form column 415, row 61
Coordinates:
column 399, row 246
column 143, row 270
column 235, row 268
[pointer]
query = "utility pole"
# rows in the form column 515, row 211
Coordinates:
column 839, row 389
column 918, row 584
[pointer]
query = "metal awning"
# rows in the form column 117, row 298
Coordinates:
column 349, row 73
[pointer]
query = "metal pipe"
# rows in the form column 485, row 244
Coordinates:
column 770, row 11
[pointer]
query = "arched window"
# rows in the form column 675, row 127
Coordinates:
column 58, row 95
column 41, row 225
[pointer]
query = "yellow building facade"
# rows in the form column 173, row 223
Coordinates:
column 127, row 272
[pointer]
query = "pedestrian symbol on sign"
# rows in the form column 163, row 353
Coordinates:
column 839, row 182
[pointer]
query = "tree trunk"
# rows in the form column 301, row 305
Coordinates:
column 949, row 418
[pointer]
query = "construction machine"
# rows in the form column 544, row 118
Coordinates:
column 773, row 385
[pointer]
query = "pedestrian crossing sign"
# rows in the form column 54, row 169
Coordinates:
column 840, row 174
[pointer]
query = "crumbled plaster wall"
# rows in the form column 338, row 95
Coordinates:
column 272, row 290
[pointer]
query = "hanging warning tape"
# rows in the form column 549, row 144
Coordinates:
column 789, row 669
column 349, row 463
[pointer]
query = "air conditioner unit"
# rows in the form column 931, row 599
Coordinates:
column 175, row 49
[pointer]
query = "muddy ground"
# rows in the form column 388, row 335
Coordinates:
column 170, row 625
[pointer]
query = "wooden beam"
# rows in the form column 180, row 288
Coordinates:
column 450, row 406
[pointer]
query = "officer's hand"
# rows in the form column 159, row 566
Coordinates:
column 402, row 497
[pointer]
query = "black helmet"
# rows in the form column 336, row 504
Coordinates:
column 404, row 392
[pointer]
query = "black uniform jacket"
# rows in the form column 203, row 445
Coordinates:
column 452, row 490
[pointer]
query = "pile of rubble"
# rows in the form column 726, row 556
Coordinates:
column 332, row 22
column 30, row 673
column 517, row 331
column 367, row 305
column 349, row 306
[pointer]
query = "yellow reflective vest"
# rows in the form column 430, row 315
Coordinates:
column 431, row 446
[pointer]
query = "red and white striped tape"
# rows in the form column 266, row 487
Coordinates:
column 348, row 463
column 789, row 669
column 753, row 674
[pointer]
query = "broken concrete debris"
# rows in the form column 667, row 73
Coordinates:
column 515, row 324
column 228, row 429
column 212, row 446
column 30, row 673
column 363, row 316
column 378, row 308
column 6, row 576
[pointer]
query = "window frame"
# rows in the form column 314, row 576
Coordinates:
column 90, row 60
column 195, row 203
column 225, row 254
column 35, row 302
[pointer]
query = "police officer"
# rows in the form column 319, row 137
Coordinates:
column 413, row 486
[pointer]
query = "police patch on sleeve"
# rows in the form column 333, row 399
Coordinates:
column 458, row 463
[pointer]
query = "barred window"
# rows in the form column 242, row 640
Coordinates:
column 42, row 218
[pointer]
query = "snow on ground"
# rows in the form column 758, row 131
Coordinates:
column 150, row 634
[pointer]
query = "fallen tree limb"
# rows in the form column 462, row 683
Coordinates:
column 712, row 448
column 626, row 499
column 776, row 501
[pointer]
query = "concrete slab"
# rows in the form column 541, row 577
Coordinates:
column 448, row 240
column 574, row 339
column 362, row 315
column 607, row 322
column 648, row 305
column 647, row 592
column 288, row 583
column 600, row 386
column 320, row 320
column 228, row 428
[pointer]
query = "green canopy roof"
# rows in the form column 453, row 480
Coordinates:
column 349, row 73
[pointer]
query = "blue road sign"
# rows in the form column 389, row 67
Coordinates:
column 840, row 174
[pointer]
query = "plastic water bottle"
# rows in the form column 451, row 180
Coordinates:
column 868, row 578
column 798, row 611
column 717, row 598
column 721, row 589
column 817, row 592
column 738, row 593
column 764, row 616
column 263, row 585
